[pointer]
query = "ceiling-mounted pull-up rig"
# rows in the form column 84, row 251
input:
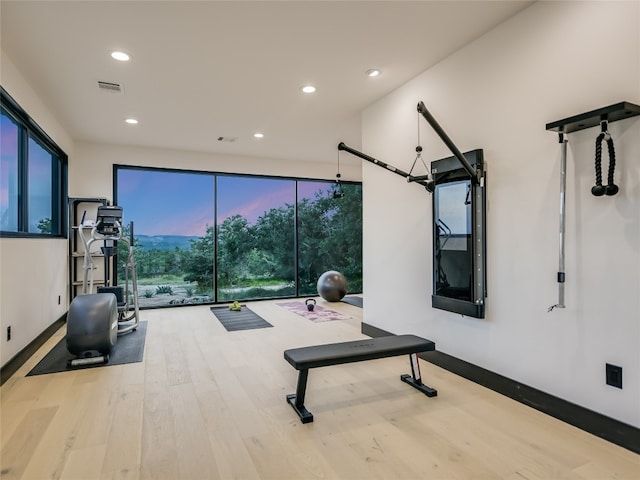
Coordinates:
column 459, row 227
column 602, row 117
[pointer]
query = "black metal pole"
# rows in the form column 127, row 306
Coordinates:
column 448, row 142
column 380, row 163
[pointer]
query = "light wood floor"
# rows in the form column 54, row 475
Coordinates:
column 206, row 404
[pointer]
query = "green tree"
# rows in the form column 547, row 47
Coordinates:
column 44, row 225
column 235, row 241
column 274, row 238
column 199, row 262
column 330, row 237
column 312, row 229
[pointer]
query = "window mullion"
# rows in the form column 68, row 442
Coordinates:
column 23, row 179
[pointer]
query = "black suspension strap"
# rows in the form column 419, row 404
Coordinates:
column 611, row 188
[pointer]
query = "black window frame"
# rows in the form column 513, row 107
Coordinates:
column 29, row 129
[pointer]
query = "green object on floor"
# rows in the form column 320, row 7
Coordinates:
column 235, row 306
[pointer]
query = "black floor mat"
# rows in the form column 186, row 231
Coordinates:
column 245, row 319
column 356, row 301
column 128, row 349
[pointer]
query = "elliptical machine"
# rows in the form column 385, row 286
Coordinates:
column 94, row 321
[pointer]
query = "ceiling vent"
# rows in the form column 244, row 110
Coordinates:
column 110, row 87
column 227, row 139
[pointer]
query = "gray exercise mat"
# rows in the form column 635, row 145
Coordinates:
column 353, row 300
column 128, row 349
column 245, row 319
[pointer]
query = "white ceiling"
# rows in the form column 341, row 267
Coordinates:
column 205, row 69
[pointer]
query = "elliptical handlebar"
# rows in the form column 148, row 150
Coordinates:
column 115, row 234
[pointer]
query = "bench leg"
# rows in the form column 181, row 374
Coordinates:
column 297, row 400
column 415, row 380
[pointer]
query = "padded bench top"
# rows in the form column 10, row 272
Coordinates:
column 356, row 351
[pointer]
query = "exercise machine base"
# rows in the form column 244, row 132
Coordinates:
column 305, row 415
column 428, row 391
column 83, row 362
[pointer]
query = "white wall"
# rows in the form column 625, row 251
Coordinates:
column 33, row 272
column 552, row 61
column 91, row 171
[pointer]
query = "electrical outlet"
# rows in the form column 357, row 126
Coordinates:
column 8, row 333
column 614, row 375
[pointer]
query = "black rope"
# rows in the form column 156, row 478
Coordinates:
column 611, row 188
column 598, row 189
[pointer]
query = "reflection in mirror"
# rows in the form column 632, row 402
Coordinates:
column 453, row 242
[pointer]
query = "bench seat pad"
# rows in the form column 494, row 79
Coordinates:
column 356, row 351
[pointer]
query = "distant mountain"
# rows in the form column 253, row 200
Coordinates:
column 164, row 242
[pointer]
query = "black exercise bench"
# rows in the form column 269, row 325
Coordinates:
column 302, row 359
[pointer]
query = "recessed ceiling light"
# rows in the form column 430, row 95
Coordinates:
column 374, row 72
column 120, row 56
column 258, row 135
column 131, row 121
column 308, row 89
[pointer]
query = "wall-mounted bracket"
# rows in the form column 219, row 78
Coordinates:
column 612, row 113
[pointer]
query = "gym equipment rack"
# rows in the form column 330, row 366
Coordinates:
column 601, row 116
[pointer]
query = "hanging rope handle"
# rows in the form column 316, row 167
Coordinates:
column 611, row 188
column 419, row 156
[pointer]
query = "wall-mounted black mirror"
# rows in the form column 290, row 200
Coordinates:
column 459, row 236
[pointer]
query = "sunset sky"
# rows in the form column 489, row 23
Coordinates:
column 39, row 178
column 182, row 203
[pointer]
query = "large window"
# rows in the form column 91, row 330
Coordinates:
column 32, row 176
column 255, row 238
column 172, row 215
column 206, row 237
column 329, row 234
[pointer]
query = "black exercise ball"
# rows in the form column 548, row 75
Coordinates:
column 332, row 286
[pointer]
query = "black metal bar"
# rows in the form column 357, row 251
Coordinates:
column 297, row 400
column 302, row 387
column 380, row 163
column 418, row 178
column 448, row 142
